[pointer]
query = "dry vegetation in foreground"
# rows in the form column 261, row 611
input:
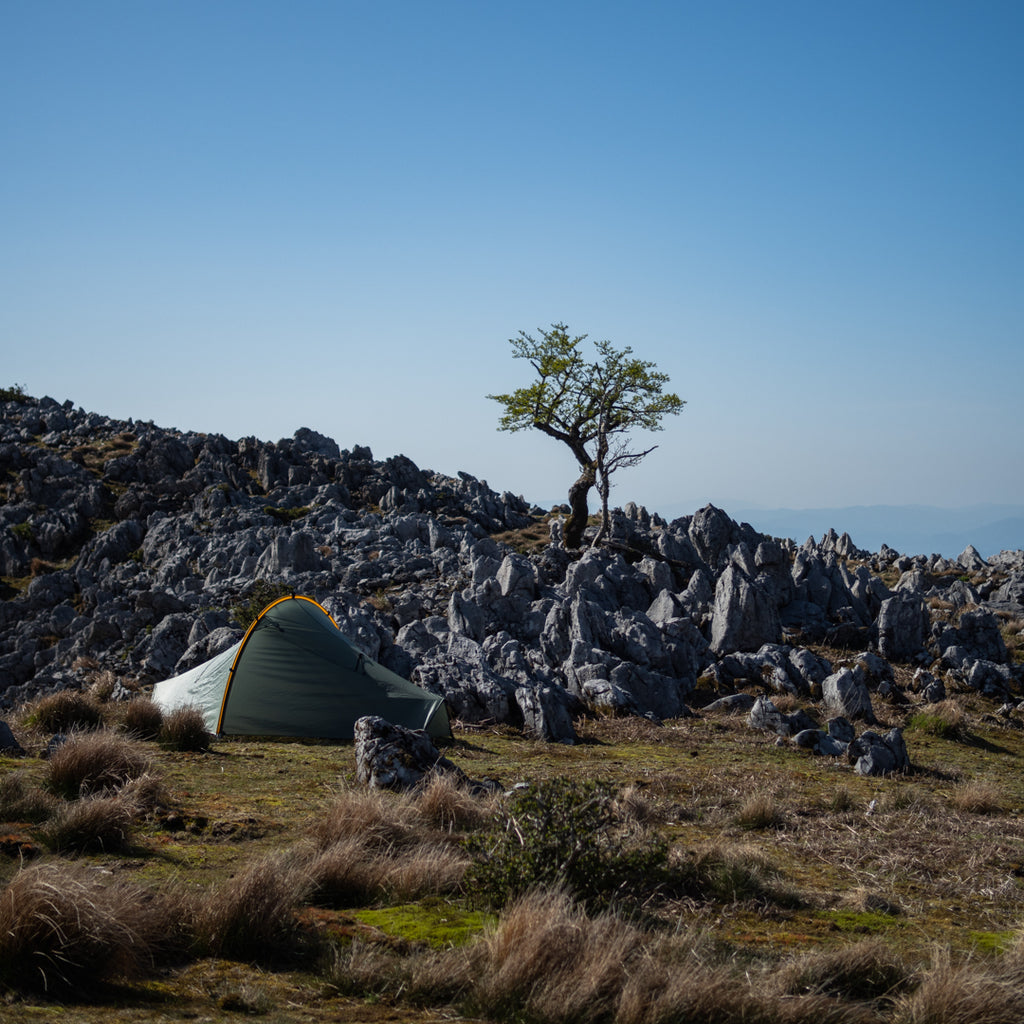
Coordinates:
column 691, row 872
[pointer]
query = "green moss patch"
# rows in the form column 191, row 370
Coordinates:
column 430, row 923
column 859, row 922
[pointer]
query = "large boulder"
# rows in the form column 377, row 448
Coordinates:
column 745, row 614
column 846, row 694
column 392, row 757
column 902, row 626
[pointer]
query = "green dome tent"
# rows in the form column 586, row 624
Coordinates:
column 294, row 673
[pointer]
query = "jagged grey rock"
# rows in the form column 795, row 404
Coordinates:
column 207, row 647
column 766, row 717
column 872, row 754
column 546, row 714
column 745, row 616
column 732, row 702
column 8, row 744
column 902, row 623
column 976, row 636
column 846, row 694
column 820, row 742
column 971, row 560
column 392, row 757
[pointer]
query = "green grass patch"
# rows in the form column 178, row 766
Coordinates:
column 432, row 922
column 992, row 942
column 859, row 922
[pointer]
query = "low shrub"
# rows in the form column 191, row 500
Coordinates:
column 93, row 762
column 184, row 729
column 564, row 834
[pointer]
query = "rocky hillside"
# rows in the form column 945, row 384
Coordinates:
column 144, row 550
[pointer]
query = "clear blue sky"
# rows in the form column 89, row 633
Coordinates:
column 245, row 217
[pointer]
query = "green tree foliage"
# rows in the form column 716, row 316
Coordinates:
column 590, row 406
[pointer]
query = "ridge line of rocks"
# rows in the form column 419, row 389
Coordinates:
column 138, row 542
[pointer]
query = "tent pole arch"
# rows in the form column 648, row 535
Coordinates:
column 245, row 640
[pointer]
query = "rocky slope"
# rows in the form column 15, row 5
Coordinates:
column 131, row 547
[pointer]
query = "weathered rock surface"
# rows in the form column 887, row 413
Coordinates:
column 9, row 746
column 134, row 548
column 872, row 754
column 392, row 757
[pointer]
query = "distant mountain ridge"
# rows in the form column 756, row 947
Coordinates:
column 912, row 529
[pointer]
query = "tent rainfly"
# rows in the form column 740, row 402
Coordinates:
column 294, row 673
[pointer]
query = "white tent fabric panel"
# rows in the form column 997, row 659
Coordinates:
column 201, row 687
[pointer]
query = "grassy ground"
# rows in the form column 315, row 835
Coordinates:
column 933, row 859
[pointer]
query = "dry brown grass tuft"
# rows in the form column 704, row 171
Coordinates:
column 92, row 762
column 380, row 818
column 661, row 992
column 65, row 711
column 142, row 718
column 102, row 685
column 20, row 800
column 732, row 873
column 967, row 993
column 946, row 719
column 978, row 796
column 427, row 869
column 252, row 915
column 185, row 729
column 65, row 927
column 759, row 811
column 865, row 970
column 448, row 805
column 546, row 960
column 635, row 806
column 346, row 873
column 353, row 872
column 101, row 824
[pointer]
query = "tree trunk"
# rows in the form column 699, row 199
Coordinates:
column 577, row 522
column 605, row 529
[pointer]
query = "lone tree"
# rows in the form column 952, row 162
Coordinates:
column 589, row 406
